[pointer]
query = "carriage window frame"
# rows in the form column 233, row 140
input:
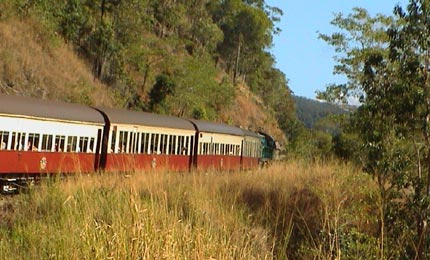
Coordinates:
column 60, row 142
column 47, row 143
column 4, row 139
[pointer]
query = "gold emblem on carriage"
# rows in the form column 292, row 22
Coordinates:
column 43, row 163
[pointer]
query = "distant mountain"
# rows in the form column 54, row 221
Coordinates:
column 309, row 111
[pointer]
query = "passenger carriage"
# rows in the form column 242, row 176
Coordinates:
column 38, row 137
column 44, row 137
column 219, row 146
column 252, row 149
column 145, row 141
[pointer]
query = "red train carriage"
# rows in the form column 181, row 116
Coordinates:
column 251, row 149
column 219, row 146
column 143, row 141
column 38, row 137
column 41, row 137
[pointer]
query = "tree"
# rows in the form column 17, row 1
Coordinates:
column 386, row 61
column 163, row 87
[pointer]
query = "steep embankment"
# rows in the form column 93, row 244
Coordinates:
column 35, row 62
column 248, row 112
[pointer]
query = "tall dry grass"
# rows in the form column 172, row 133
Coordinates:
column 289, row 210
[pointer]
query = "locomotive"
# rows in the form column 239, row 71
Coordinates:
column 39, row 137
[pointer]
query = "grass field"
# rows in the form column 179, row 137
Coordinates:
column 290, row 210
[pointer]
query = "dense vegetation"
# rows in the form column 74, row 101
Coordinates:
column 185, row 58
column 387, row 63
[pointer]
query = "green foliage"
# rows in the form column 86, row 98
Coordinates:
column 206, row 47
column 195, row 88
column 386, row 62
column 163, row 87
column 309, row 144
column 80, row 93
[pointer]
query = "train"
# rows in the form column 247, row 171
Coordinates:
column 41, row 138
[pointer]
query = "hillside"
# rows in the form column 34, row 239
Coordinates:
column 310, row 111
column 39, row 65
column 97, row 55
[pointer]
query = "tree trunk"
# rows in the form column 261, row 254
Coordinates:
column 236, row 65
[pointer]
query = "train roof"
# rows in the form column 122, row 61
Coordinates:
column 122, row 116
column 210, row 127
column 48, row 110
column 250, row 133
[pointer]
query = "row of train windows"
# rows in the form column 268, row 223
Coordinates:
column 150, row 143
column 252, row 149
column 219, row 149
column 21, row 141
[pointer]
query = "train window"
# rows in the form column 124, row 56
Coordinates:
column 137, row 142
column 4, row 138
column 246, row 148
column 163, row 144
column 33, row 142
column 83, row 144
column 60, row 141
column 132, row 142
column 144, row 144
column 91, row 147
column 251, row 149
column 172, row 144
column 206, row 147
column 186, row 145
column 123, row 136
column 162, row 141
column 127, row 142
column 148, row 143
column 17, row 141
column 113, row 141
column 191, row 145
column 180, row 144
column 46, row 143
column 155, row 143
column 151, row 143
column 72, row 143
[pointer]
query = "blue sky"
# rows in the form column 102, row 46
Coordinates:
column 306, row 60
